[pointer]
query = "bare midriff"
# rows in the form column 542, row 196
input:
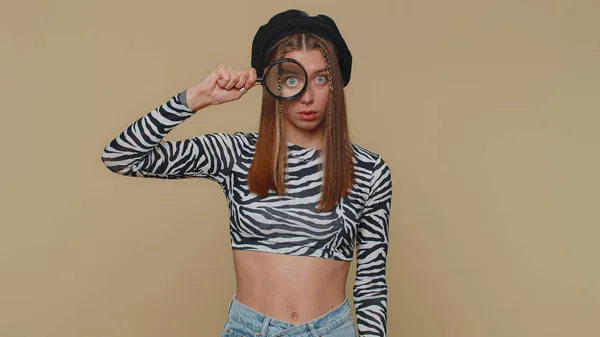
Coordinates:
column 293, row 289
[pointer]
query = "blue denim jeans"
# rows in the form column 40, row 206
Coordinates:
column 243, row 321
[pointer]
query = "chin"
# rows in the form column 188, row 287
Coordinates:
column 310, row 125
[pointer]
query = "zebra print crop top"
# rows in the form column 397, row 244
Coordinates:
column 286, row 224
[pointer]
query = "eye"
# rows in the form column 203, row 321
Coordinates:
column 322, row 79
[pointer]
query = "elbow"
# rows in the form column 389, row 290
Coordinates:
column 110, row 163
column 107, row 163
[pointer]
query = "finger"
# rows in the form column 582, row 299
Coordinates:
column 222, row 75
column 233, row 78
column 243, row 77
column 251, row 79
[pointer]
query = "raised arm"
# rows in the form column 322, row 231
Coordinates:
column 140, row 151
column 370, row 286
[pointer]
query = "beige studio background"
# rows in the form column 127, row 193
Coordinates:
column 486, row 111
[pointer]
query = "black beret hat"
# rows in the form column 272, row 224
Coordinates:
column 294, row 21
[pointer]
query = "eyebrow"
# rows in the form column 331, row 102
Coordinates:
column 294, row 72
column 289, row 71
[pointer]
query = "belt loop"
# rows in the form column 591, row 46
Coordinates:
column 265, row 326
column 312, row 329
column 230, row 304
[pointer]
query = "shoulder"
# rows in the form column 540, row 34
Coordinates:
column 249, row 136
column 224, row 141
column 238, row 138
column 367, row 159
column 373, row 170
column 246, row 138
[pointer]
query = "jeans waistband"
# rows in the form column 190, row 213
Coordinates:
column 249, row 317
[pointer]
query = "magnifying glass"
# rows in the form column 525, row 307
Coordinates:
column 284, row 79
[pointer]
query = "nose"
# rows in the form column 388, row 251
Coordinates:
column 307, row 96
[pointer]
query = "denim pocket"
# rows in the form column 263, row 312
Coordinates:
column 233, row 329
column 346, row 330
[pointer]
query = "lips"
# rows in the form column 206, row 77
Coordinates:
column 308, row 115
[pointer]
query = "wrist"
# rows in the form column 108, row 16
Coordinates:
column 195, row 101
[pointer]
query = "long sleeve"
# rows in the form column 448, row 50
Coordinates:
column 370, row 286
column 139, row 150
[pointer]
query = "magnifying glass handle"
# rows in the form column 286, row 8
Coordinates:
column 260, row 79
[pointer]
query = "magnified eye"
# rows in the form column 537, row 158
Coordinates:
column 292, row 81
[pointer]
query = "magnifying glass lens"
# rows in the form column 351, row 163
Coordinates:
column 285, row 79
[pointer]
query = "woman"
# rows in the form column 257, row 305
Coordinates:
column 301, row 196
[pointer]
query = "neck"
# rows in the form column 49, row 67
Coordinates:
column 312, row 139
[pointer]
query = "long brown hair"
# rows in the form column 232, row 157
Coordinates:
column 269, row 166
